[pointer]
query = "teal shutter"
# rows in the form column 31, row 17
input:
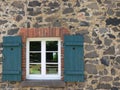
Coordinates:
column 73, row 58
column 12, row 58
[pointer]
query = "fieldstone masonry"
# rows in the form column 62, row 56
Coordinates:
column 97, row 20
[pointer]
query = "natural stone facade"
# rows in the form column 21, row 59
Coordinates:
column 97, row 20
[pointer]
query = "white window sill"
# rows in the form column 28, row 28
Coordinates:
column 43, row 83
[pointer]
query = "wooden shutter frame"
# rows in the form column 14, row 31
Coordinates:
column 15, row 43
column 73, row 75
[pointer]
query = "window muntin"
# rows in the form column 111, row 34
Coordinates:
column 43, row 58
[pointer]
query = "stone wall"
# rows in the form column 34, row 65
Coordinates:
column 97, row 20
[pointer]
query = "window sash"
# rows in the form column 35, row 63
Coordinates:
column 43, row 63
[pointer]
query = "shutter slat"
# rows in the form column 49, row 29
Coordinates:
column 74, row 73
column 73, row 58
column 11, row 44
column 75, row 43
column 11, row 72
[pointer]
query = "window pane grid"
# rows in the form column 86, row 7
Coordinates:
column 47, row 62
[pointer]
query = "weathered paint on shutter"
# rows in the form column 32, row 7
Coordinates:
column 12, row 58
column 73, row 58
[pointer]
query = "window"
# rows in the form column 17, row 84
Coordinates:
column 43, row 58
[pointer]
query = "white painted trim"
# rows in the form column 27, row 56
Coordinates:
column 43, row 75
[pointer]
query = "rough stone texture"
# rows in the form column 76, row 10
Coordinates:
column 103, row 30
column 105, row 61
column 82, row 32
column 113, row 21
column 113, row 72
column 18, row 4
column 116, row 83
column 107, row 41
column 118, row 14
column 3, row 22
column 34, row 4
column 91, row 69
column 104, row 86
column 118, row 59
column 83, row 23
column 97, row 20
column 13, row 31
column 89, row 48
column 115, row 29
column 92, row 54
column 93, row 6
column 118, row 50
column 110, row 50
column 114, row 88
column 98, row 41
column 18, row 18
column 106, row 79
column 110, row 12
column 87, row 39
column 111, row 36
column 68, row 10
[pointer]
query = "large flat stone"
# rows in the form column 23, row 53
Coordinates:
column 91, row 69
column 92, row 54
column 110, row 51
column 93, row 6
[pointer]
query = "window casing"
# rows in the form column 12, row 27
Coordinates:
column 43, row 58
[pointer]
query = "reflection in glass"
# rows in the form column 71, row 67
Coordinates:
column 51, row 46
column 51, row 69
column 35, row 57
column 35, row 46
column 52, row 57
column 35, row 69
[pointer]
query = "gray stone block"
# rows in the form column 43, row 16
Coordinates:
column 118, row 13
column 110, row 51
column 89, row 47
column 92, row 54
column 18, row 4
column 104, row 86
column 34, row 3
column 117, row 59
column 3, row 22
column 106, row 79
column 13, row 31
column 105, row 61
column 90, row 69
column 68, row 10
column 107, row 41
column 93, row 6
column 84, row 23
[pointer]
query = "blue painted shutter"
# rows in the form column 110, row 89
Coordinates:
column 73, row 58
column 12, row 58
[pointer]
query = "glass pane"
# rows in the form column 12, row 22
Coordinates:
column 35, row 69
column 51, row 69
column 52, row 57
column 35, row 57
column 35, row 46
column 52, row 46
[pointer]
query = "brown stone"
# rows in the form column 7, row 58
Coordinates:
column 93, row 6
column 106, row 79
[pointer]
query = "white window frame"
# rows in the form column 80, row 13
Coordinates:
column 43, row 76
